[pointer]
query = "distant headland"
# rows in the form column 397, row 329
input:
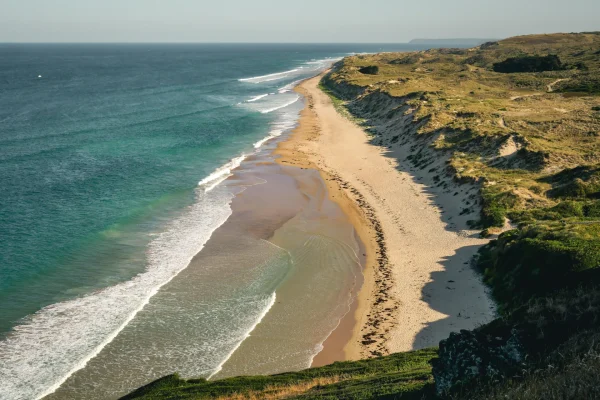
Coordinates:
column 452, row 42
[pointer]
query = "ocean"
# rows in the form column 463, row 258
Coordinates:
column 117, row 165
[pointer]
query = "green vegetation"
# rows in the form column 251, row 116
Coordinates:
column 520, row 119
column 529, row 64
column 369, row 70
column 402, row 376
column 509, row 131
column 502, row 115
column 560, row 335
column 540, row 259
column 339, row 104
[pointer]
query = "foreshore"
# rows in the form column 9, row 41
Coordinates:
column 418, row 285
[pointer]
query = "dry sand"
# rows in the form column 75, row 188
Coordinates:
column 418, row 285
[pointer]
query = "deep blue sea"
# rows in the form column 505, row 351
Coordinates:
column 103, row 146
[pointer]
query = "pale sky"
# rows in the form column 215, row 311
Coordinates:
column 288, row 21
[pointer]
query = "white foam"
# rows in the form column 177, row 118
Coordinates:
column 269, row 77
column 279, row 107
column 320, row 346
column 263, row 141
column 308, row 67
column 256, row 98
column 286, row 122
column 289, row 87
column 51, row 345
column 246, row 336
column 324, row 61
column 221, row 173
column 272, row 135
column 43, row 352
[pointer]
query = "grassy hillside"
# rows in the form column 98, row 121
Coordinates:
column 511, row 131
column 520, row 120
column 403, row 375
column 529, row 140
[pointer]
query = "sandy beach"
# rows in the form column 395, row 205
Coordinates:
column 418, row 282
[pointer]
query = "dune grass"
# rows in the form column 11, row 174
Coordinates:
column 529, row 140
column 549, row 117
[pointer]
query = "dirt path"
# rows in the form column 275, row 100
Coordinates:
column 550, row 87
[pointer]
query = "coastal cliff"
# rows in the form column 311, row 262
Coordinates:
column 512, row 130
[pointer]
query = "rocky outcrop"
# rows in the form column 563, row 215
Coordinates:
column 532, row 337
column 490, row 354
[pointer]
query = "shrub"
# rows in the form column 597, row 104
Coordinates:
column 580, row 182
column 592, row 210
column 529, row 64
column 370, row 70
column 495, row 206
column 488, row 45
column 536, row 261
column 563, row 330
column 412, row 58
column 568, row 209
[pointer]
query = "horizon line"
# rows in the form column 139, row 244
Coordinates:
column 204, row 42
column 240, row 42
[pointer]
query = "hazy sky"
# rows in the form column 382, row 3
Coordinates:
column 287, row 21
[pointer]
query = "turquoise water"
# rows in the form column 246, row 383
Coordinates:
column 107, row 156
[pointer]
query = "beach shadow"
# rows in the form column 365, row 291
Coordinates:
column 457, row 293
column 411, row 152
column 457, row 290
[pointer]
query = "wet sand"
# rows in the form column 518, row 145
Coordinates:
column 319, row 288
column 339, row 346
column 286, row 265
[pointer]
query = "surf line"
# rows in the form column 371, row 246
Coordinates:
column 255, row 78
column 246, row 335
column 256, row 98
column 81, row 364
column 281, row 106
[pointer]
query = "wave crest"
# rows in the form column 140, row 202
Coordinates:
column 269, row 77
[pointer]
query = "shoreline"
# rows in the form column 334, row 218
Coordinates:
column 418, row 285
column 342, row 343
column 278, row 214
column 336, row 151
